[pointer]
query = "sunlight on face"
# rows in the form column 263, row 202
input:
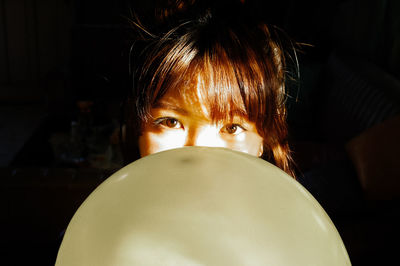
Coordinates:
column 183, row 120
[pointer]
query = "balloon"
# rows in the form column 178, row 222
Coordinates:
column 201, row 206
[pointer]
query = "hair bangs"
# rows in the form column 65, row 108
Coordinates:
column 163, row 72
column 233, row 78
column 231, row 85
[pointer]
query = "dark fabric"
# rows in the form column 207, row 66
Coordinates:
column 335, row 186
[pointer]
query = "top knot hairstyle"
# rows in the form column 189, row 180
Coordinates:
column 237, row 60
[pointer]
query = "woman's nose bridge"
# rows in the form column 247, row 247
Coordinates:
column 204, row 136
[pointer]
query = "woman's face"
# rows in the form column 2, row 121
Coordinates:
column 180, row 120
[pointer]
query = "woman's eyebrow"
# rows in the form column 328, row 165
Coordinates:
column 170, row 106
column 238, row 112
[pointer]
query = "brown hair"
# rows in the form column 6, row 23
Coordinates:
column 240, row 64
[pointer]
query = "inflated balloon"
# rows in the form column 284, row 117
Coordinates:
column 201, row 206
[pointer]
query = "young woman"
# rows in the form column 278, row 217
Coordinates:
column 215, row 79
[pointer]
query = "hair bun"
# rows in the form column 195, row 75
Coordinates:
column 176, row 11
column 167, row 9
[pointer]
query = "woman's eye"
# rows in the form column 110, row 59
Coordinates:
column 168, row 122
column 232, row 129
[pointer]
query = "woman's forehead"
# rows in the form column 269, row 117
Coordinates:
column 200, row 96
column 185, row 99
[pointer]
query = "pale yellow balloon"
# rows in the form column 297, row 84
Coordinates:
column 201, row 206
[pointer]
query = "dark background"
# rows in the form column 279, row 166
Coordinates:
column 64, row 74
